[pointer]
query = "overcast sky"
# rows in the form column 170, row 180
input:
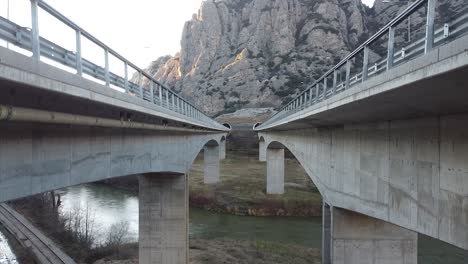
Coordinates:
column 140, row 30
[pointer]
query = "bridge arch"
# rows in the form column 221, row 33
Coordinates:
column 256, row 125
column 271, row 144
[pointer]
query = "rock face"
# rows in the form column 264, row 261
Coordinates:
column 260, row 53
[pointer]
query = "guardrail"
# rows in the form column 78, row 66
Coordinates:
column 159, row 94
column 335, row 81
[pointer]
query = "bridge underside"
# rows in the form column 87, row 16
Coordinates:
column 35, row 158
column 412, row 173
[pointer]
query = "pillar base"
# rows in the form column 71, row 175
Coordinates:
column 163, row 225
column 211, row 164
column 359, row 239
column 275, row 171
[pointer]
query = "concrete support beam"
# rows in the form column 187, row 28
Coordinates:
column 261, row 151
column 275, row 171
column 359, row 239
column 211, row 167
column 326, row 233
column 222, row 150
column 163, row 230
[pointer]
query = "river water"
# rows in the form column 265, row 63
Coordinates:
column 6, row 255
column 110, row 206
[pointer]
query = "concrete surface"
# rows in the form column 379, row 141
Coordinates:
column 163, row 220
column 211, row 163
column 359, row 239
column 22, row 74
column 326, row 233
column 401, row 93
column 262, row 150
column 275, row 170
column 36, row 158
column 412, row 173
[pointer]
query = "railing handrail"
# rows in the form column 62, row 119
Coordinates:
column 389, row 28
column 407, row 12
column 179, row 104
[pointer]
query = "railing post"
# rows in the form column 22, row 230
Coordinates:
column 335, row 81
column 152, row 91
column 167, row 99
column 310, row 96
column 35, row 41
column 365, row 64
column 140, row 84
column 391, row 46
column 127, row 89
column 79, row 63
column 348, row 74
column 325, row 88
column 160, row 95
column 173, row 101
column 317, row 90
column 431, row 6
column 106, row 67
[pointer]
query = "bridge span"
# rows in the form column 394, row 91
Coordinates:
column 80, row 122
column 386, row 143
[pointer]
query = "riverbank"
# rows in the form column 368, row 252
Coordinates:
column 216, row 251
column 242, row 189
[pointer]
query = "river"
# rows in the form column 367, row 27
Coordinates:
column 109, row 206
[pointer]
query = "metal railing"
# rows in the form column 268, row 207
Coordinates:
column 332, row 82
column 159, row 94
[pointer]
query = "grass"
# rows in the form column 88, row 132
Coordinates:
column 243, row 184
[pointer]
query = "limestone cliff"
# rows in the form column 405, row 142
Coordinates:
column 259, row 53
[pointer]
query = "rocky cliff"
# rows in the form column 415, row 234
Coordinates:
column 260, row 53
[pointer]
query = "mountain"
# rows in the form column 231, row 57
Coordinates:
column 260, row 53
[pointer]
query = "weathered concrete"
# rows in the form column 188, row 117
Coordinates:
column 326, row 233
column 359, row 239
column 163, row 210
column 23, row 75
column 412, row 173
column 211, row 163
column 275, row 170
column 222, row 149
column 262, row 150
column 37, row 158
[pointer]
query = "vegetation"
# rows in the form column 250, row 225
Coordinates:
column 75, row 232
column 242, row 189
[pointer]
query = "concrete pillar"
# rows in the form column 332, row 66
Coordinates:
column 359, row 239
column 211, row 168
column 261, row 151
column 326, row 234
column 222, row 150
column 163, row 210
column 275, row 171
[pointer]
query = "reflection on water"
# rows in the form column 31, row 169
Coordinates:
column 6, row 255
column 110, row 206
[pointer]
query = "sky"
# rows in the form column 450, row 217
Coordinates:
column 139, row 30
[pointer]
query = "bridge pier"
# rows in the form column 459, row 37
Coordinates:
column 211, row 163
column 262, row 150
column 275, row 170
column 222, row 150
column 326, row 233
column 163, row 219
column 359, row 239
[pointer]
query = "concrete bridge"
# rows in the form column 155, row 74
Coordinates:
column 59, row 128
column 387, row 147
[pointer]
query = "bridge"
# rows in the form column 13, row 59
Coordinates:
column 65, row 120
column 385, row 140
